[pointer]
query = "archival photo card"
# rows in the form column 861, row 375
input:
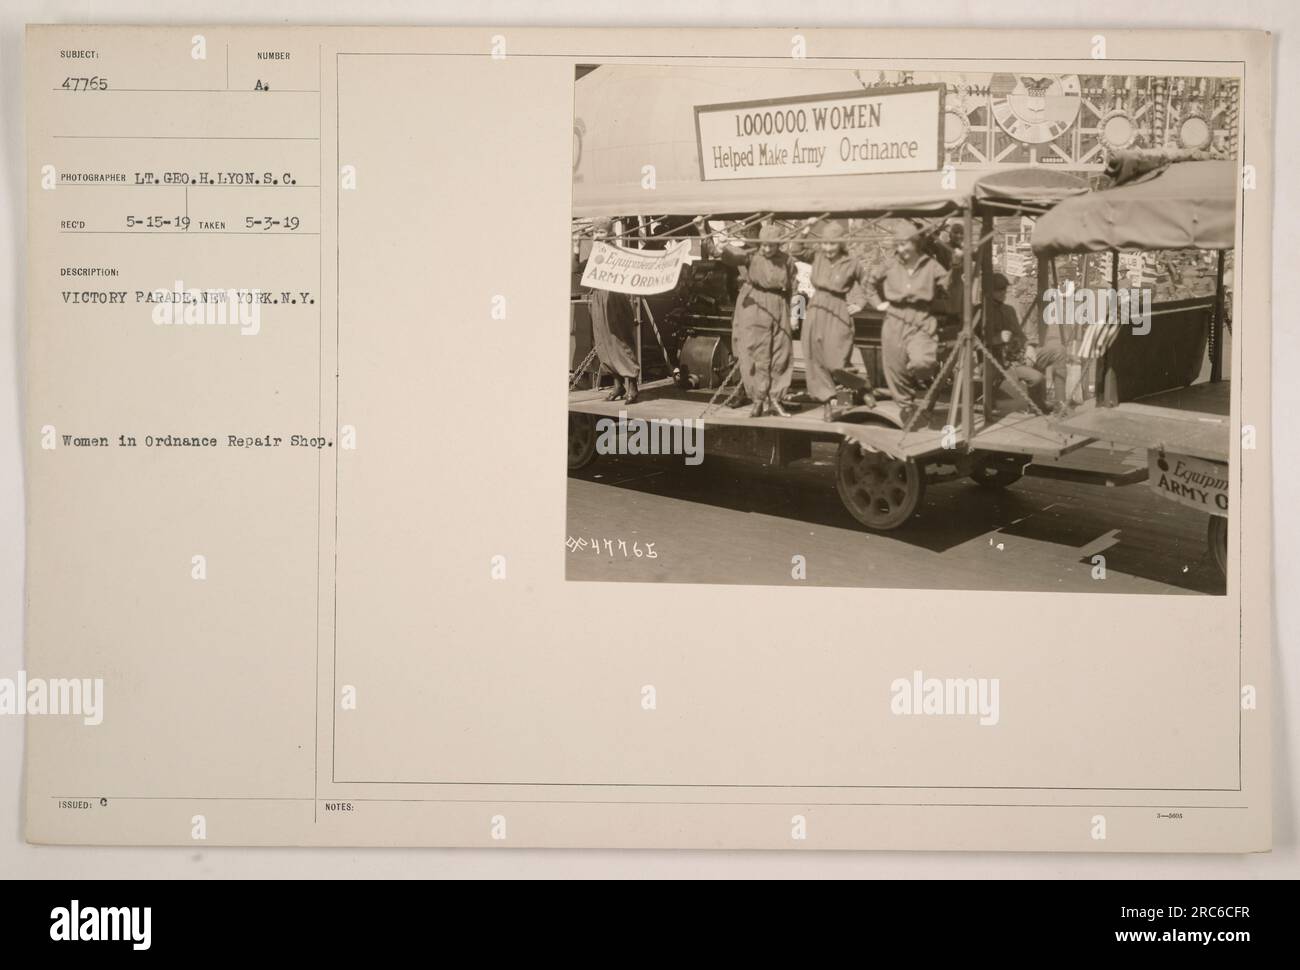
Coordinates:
column 909, row 486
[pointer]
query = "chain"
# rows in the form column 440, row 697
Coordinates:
column 732, row 396
column 722, row 387
column 1015, row 384
column 927, row 403
column 581, row 368
column 658, row 339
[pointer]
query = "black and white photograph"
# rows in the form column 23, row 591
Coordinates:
column 902, row 328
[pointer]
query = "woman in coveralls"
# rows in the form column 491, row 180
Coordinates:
column 760, row 327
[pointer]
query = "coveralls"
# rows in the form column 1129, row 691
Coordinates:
column 828, row 328
column 760, row 325
column 910, row 335
column 613, row 331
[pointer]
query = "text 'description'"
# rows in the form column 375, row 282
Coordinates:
column 854, row 133
column 636, row 271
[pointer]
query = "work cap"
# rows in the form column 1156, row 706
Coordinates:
column 833, row 231
column 770, row 233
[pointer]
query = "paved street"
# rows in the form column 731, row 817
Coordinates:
column 727, row 521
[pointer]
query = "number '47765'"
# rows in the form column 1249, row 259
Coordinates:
column 95, row 83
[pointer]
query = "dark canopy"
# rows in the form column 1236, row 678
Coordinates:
column 1038, row 186
column 908, row 194
column 1187, row 205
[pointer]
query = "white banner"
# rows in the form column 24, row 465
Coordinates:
column 636, row 271
column 854, row 133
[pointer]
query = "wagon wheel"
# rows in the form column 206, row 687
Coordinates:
column 582, row 440
column 1216, row 536
column 879, row 491
column 997, row 470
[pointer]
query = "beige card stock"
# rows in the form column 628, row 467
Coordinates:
column 305, row 564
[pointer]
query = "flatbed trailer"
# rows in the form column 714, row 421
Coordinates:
column 878, row 428
column 882, row 466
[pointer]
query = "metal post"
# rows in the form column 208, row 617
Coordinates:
column 968, row 327
column 991, row 381
column 636, row 315
column 1042, row 275
column 959, row 381
column 1045, row 272
column 1216, row 326
column 1103, row 389
column 636, row 306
